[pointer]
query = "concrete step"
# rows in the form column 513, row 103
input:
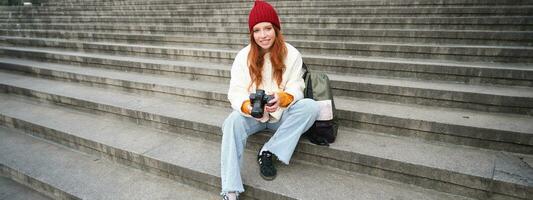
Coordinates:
column 466, row 166
column 323, row 34
column 102, row 3
column 177, row 11
column 474, row 97
column 502, row 175
column 460, row 52
column 177, row 156
column 154, row 33
column 225, row 53
column 514, row 23
column 10, row 189
column 426, row 69
column 325, row 37
column 297, row 4
column 470, row 73
column 487, row 130
column 517, row 100
column 59, row 171
column 225, row 56
column 190, row 70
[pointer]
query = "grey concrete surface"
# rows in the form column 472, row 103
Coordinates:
column 358, row 48
column 350, row 21
column 509, row 38
column 379, row 35
column 235, row 11
column 238, row 3
column 514, row 23
column 414, row 80
column 417, row 51
column 513, row 122
column 11, row 190
column 509, row 122
column 156, row 5
column 184, row 152
column 217, row 92
column 475, row 73
column 457, row 168
column 478, row 97
column 86, row 176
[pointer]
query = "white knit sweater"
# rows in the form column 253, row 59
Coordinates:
column 292, row 81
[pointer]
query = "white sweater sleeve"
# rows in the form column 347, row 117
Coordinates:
column 295, row 83
column 239, row 82
column 240, row 79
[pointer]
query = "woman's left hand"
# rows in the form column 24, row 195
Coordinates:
column 274, row 104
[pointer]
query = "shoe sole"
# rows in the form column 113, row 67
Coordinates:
column 267, row 178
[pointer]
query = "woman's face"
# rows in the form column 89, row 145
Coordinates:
column 264, row 35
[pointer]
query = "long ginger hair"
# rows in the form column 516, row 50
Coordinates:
column 278, row 53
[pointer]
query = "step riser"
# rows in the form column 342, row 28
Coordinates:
column 453, row 138
column 424, row 72
column 416, row 37
column 388, row 93
column 352, row 12
column 180, row 94
column 206, row 129
column 398, row 36
column 222, row 76
column 463, row 135
column 424, row 175
column 130, row 159
column 503, row 26
column 243, row 19
column 173, row 54
column 441, row 98
column 522, row 141
column 460, row 54
column 464, row 100
column 17, row 16
column 439, row 53
column 367, row 164
column 225, row 57
column 287, row 12
column 280, row 4
column 502, row 22
column 34, row 183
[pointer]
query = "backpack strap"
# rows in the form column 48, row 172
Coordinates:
column 309, row 85
column 306, row 70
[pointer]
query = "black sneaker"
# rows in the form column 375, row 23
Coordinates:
column 266, row 166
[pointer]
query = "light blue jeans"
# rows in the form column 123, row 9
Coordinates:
column 294, row 122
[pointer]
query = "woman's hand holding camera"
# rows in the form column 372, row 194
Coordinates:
column 258, row 100
column 272, row 105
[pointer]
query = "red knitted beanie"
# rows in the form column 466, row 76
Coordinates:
column 263, row 12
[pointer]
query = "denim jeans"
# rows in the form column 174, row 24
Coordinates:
column 236, row 129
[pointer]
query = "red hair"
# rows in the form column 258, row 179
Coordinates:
column 278, row 53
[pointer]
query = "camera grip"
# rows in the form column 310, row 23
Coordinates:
column 269, row 98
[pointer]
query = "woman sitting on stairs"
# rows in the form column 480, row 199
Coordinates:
column 269, row 64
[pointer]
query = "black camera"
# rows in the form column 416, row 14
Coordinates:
column 258, row 101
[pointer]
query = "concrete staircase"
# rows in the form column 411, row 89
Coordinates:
column 125, row 99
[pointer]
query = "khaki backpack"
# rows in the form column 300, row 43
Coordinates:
column 317, row 87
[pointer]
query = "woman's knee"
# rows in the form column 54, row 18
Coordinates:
column 308, row 106
column 233, row 119
column 234, row 126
